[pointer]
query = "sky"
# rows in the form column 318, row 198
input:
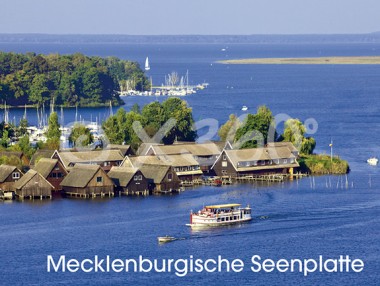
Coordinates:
column 181, row 17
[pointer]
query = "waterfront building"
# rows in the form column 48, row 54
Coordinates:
column 129, row 181
column 33, row 185
column 8, row 176
column 256, row 161
column 125, row 150
column 85, row 180
column 106, row 159
column 52, row 170
column 41, row 153
column 161, row 178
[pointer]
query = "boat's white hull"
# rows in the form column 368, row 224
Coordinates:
column 220, row 219
column 216, row 224
column 372, row 161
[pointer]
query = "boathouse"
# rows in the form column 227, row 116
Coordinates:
column 87, row 181
column 8, row 176
column 106, row 159
column 185, row 166
column 161, row 178
column 39, row 154
column 129, row 181
column 52, row 170
column 255, row 162
column 204, row 153
column 33, row 185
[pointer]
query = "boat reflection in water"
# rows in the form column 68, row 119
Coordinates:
column 220, row 215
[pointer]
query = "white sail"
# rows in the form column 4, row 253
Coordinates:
column 147, row 67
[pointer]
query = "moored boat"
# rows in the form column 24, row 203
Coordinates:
column 373, row 161
column 218, row 215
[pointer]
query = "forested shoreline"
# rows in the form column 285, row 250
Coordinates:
column 66, row 80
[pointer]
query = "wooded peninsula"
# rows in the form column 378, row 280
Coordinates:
column 373, row 60
column 66, row 80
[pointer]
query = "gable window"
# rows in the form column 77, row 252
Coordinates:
column 224, row 157
column 99, row 179
column 170, row 176
column 59, row 175
column 224, row 164
column 16, row 175
column 54, row 175
column 137, row 178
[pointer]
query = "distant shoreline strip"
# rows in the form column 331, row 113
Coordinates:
column 362, row 60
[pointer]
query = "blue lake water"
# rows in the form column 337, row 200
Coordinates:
column 327, row 216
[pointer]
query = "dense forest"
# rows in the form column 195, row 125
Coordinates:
column 67, row 80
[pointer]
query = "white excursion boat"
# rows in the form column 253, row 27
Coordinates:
column 218, row 215
column 373, row 161
column 244, row 108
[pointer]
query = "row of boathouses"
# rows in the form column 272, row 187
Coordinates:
column 154, row 168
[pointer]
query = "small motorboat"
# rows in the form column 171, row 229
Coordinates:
column 373, row 161
column 244, row 108
column 165, row 239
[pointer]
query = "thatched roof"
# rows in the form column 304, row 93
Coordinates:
column 182, row 160
column 289, row 145
column 90, row 157
column 256, row 154
column 40, row 154
column 154, row 172
column 80, row 176
column 121, row 176
column 5, row 171
column 196, row 149
column 45, row 166
column 122, row 148
column 28, row 176
column 11, row 153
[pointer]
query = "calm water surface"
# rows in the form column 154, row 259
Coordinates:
column 327, row 216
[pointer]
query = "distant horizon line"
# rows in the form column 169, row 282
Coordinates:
column 171, row 35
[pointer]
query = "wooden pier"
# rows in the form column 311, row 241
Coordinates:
column 89, row 195
column 33, row 197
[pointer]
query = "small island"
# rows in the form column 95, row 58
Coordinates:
column 357, row 60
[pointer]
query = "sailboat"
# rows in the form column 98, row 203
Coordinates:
column 147, row 66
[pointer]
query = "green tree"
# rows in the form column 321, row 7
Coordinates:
column 80, row 136
column 183, row 131
column 294, row 132
column 39, row 92
column 23, row 145
column 115, row 127
column 136, row 108
column 257, row 128
column 53, row 133
column 228, row 130
column 11, row 160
